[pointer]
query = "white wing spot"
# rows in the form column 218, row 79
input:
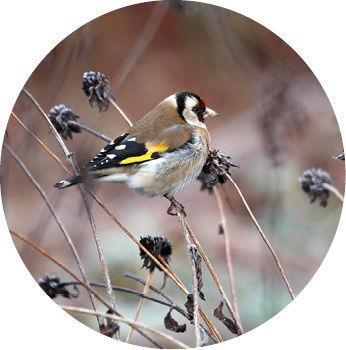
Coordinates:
column 132, row 139
column 120, row 147
column 111, row 156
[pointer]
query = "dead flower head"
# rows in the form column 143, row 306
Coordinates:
column 215, row 169
column 156, row 245
column 312, row 182
column 53, row 287
column 96, row 87
column 61, row 118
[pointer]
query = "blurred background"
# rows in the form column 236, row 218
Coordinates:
column 276, row 122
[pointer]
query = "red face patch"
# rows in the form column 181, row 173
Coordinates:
column 199, row 109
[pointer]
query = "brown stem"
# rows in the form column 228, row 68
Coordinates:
column 57, row 220
column 70, row 159
column 215, row 278
column 85, row 285
column 190, row 248
column 140, row 305
column 122, row 113
column 228, row 251
column 334, row 190
column 90, row 130
column 264, row 237
column 129, row 322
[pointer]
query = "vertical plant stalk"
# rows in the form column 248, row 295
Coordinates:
column 141, row 44
column 227, row 244
column 84, row 284
column 215, row 278
column 140, row 305
column 334, row 190
column 59, row 223
column 264, row 237
column 190, row 248
column 70, row 159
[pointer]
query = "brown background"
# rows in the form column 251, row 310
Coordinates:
column 241, row 70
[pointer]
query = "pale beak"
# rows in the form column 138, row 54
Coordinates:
column 210, row 113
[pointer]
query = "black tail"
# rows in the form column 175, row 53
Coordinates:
column 73, row 180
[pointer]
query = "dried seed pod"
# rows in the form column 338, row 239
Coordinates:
column 53, row 287
column 61, row 117
column 312, row 182
column 156, row 245
column 96, row 87
column 215, row 169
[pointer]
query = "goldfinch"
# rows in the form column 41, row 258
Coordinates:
column 158, row 156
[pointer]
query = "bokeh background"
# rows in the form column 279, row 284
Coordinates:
column 276, row 122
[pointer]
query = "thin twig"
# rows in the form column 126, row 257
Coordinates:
column 122, row 113
column 264, row 237
column 141, row 44
column 57, row 220
column 71, row 161
column 41, row 143
column 85, row 285
column 140, row 305
column 190, row 248
column 216, row 338
column 334, row 190
column 228, row 251
column 214, row 275
column 90, row 130
column 129, row 322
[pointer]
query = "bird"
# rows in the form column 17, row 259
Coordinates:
column 159, row 155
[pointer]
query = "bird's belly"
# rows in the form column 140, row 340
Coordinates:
column 167, row 175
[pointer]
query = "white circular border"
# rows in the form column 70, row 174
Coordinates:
column 314, row 29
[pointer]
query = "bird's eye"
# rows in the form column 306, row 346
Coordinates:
column 195, row 109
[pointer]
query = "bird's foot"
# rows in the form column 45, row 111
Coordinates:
column 175, row 207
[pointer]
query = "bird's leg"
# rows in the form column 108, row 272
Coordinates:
column 175, row 206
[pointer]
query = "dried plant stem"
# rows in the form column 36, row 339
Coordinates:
column 167, row 270
column 228, row 251
column 84, row 284
column 264, row 237
column 122, row 113
column 334, row 190
column 41, row 143
column 212, row 336
column 190, row 248
column 215, row 278
column 71, row 161
column 57, row 220
column 129, row 322
column 141, row 44
column 140, row 305
column 90, row 130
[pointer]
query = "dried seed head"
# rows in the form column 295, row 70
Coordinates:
column 312, row 182
column 156, row 245
column 61, row 117
column 96, row 87
column 53, row 287
column 215, row 169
